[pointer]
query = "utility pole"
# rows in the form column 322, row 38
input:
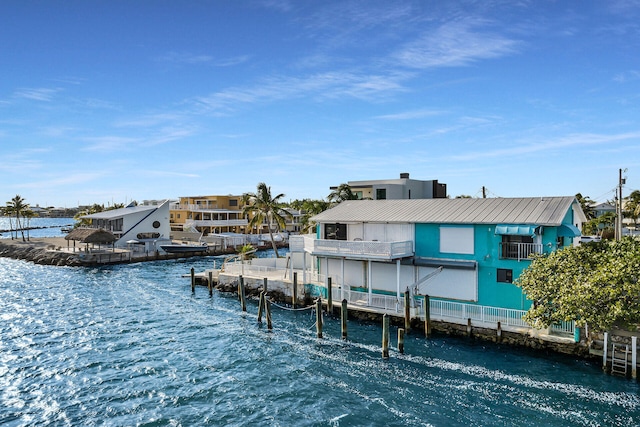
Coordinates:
column 621, row 182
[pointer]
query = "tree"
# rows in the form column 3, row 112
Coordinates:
column 260, row 207
column 28, row 214
column 17, row 207
column 95, row 208
column 596, row 284
column 632, row 207
column 587, row 206
column 342, row 193
column 309, row 208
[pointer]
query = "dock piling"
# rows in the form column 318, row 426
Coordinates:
column 401, row 341
column 319, row 317
column 407, row 310
column 243, row 300
column 343, row 318
column 329, row 296
column 294, row 298
column 427, row 316
column 261, row 306
column 385, row 336
column 268, row 313
column 193, row 280
column 211, row 283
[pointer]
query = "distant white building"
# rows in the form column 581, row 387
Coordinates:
column 394, row 189
column 143, row 224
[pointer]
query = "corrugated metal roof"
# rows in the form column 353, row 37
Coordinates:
column 117, row 213
column 523, row 210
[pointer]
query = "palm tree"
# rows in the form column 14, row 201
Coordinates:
column 28, row 214
column 587, row 206
column 17, row 207
column 83, row 222
column 309, row 208
column 342, row 193
column 8, row 212
column 260, row 207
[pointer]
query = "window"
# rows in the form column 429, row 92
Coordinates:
column 381, row 193
column 335, row 231
column 233, row 202
column 505, row 275
column 457, row 240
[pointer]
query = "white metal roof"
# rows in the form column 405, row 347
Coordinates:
column 524, row 210
column 118, row 213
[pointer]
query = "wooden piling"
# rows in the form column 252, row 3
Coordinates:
column 264, row 285
column 261, row 306
column 343, row 317
column 210, row 283
column 427, row 316
column 605, row 348
column 469, row 327
column 319, row 317
column 294, row 298
column 499, row 332
column 634, row 357
column 268, row 313
column 193, row 280
column 243, row 300
column 329, row 296
column 385, row 336
column 401, row 341
column 407, row 310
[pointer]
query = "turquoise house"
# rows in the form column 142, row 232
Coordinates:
column 466, row 251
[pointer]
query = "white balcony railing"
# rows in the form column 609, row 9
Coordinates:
column 219, row 222
column 519, row 251
column 351, row 248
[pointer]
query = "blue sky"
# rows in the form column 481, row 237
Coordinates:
column 113, row 101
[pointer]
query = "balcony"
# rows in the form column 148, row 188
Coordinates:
column 351, row 248
column 519, row 251
column 220, row 222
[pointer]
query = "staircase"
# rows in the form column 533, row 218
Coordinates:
column 619, row 359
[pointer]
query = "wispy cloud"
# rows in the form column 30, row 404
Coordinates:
column 573, row 140
column 197, row 59
column 108, row 143
column 456, row 43
column 37, row 94
column 66, row 179
column 319, row 86
column 410, row 115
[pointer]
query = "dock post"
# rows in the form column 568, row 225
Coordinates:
column 294, row 298
column 469, row 327
column 193, row 280
column 427, row 316
column 407, row 310
column 343, row 317
column 329, row 296
column 385, row 336
column 605, row 347
column 210, row 283
column 319, row 317
column 499, row 332
column 243, row 300
column 264, row 285
column 267, row 305
column 261, row 306
column 634, row 357
column 401, row 341
column 240, row 279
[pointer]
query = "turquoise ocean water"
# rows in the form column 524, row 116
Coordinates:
column 130, row 345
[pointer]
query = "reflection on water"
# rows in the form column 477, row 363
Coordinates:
column 130, row 345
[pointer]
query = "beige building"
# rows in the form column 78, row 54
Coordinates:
column 208, row 214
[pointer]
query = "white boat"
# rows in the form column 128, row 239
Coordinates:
column 184, row 247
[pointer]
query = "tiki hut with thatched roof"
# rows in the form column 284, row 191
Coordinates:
column 91, row 236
